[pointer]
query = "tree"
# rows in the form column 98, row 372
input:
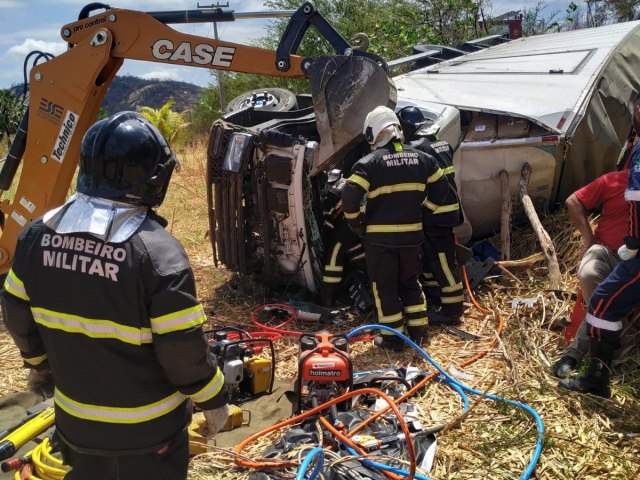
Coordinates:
column 170, row 123
column 11, row 110
column 534, row 22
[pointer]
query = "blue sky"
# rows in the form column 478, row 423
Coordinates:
column 27, row 25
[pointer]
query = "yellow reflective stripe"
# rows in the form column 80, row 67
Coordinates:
column 428, row 275
column 351, row 216
column 391, row 318
column 358, row 180
column 417, row 322
column 91, row 327
column 436, row 176
column 415, row 308
column 449, row 170
column 407, row 227
column 210, row 390
column 331, row 268
column 445, row 268
column 452, row 288
column 398, row 187
column 447, row 208
column 35, row 360
column 457, row 299
column 102, row 413
column 15, row 286
column 334, row 255
column 331, row 279
column 180, row 320
column 397, row 147
column 430, row 205
column 431, row 283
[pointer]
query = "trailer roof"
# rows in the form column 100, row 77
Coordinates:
column 545, row 78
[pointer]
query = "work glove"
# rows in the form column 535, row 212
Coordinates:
column 626, row 253
column 216, row 420
column 40, row 382
column 358, row 226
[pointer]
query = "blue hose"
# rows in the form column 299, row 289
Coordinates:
column 304, row 466
column 382, row 466
column 452, row 381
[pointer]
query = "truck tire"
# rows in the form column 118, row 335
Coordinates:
column 265, row 99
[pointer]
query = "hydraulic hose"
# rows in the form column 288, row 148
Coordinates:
column 539, row 425
column 46, row 466
column 430, row 377
column 274, row 463
column 304, row 466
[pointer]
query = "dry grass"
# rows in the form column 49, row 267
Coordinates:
column 586, row 437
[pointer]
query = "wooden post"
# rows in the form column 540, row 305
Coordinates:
column 548, row 248
column 505, row 217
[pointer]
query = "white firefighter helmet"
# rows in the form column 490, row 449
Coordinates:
column 334, row 175
column 381, row 126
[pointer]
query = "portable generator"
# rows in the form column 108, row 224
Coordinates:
column 325, row 370
column 246, row 373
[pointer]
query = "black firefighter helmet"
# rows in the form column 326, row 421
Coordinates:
column 411, row 120
column 126, row 159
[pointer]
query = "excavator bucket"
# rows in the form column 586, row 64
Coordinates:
column 344, row 90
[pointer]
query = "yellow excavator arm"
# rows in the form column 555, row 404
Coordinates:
column 67, row 91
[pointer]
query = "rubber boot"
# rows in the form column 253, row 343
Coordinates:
column 596, row 378
column 390, row 342
column 419, row 335
column 563, row 367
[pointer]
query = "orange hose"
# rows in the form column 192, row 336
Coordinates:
column 430, row 377
column 273, row 463
column 343, row 438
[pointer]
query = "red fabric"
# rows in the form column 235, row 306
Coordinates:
column 607, row 192
column 578, row 314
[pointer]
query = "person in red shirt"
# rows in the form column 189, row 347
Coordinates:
column 599, row 247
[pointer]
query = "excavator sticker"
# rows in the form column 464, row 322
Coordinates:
column 64, row 136
column 202, row 53
column 51, row 111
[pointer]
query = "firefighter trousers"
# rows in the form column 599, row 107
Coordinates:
column 394, row 273
column 344, row 246
column 170, row 462
column 442, row 277
column 613, row 299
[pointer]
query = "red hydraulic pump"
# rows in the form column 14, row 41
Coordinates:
column 325, row 370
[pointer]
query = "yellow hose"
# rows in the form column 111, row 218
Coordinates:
column 46, row 466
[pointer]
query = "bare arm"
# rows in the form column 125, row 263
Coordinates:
column 579, row 216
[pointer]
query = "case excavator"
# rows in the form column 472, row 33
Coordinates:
column 65, row 92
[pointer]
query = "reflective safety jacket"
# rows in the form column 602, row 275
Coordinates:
column 395, row 181
column 632, row 195
column 120, row 327
column 443, row 210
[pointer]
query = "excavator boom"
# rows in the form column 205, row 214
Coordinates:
column 67, row 91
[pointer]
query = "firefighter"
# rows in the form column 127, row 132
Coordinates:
column 617, row 295
column 394, row 180
column 442, row 277
column 341, row 245
column 104, row 296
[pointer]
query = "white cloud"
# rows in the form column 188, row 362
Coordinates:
column 31, row 44
column 161, row 75
column 11, row 4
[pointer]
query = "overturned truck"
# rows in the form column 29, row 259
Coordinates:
column 558, row 102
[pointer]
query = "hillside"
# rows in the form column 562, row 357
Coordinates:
column 129, row 93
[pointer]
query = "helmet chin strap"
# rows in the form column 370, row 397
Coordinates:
column 387, row 134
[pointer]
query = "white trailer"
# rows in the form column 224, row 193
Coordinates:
column 559, row 102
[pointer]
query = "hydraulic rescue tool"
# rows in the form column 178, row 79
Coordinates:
column 325, row 370
column 62, row 106
column 10, row 444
